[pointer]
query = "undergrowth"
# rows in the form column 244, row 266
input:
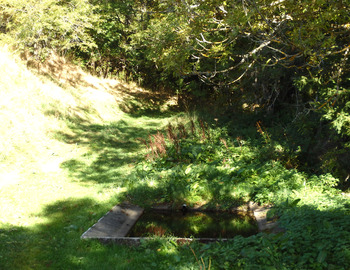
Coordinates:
column 200, row 164
column 195, row 163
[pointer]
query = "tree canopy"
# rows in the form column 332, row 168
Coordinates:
column 264, row 53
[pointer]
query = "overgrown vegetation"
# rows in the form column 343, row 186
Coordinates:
column 203, row 166
column 89, row 156
column 200, row 164
column 266, row 56
column 266, row 89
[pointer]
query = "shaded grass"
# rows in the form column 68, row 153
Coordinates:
column 113, row 149
column 56, row 244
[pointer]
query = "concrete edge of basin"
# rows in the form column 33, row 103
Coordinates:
column 132, row 241
column 264, row 224
column 115, row 225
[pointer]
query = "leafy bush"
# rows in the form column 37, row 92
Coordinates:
column 199, row 164
column 42, row 26
column 317, row 236
column 220, row 172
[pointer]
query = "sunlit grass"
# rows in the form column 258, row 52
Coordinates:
column 65, row 150
column 31, row 175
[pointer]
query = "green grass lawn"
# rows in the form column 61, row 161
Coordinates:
column 66, row 152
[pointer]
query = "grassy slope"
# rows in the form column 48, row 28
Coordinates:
column 50, row 128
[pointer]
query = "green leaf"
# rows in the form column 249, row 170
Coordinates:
column 295, row 202
column 322, row 256
column 188, row 170
column 271, row 213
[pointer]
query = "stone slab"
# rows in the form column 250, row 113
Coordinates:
column 116, row 223
column 260, row 216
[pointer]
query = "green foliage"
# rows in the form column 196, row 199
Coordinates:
column 206, row 165
column 330, row 107
column 309, row 243
column 222, row 172
column 210, row 49
column 274, row 56
column 316, row 237
column 42, row 26
column 222, row 42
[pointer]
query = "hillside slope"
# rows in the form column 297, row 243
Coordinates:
column 32, row 108
column 68, row 141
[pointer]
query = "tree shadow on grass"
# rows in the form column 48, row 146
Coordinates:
column 313, row 238
column 56, row 243
column 150, row 103
column 113, row 148
column 52, row 244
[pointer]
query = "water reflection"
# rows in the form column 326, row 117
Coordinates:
column 194, row 224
